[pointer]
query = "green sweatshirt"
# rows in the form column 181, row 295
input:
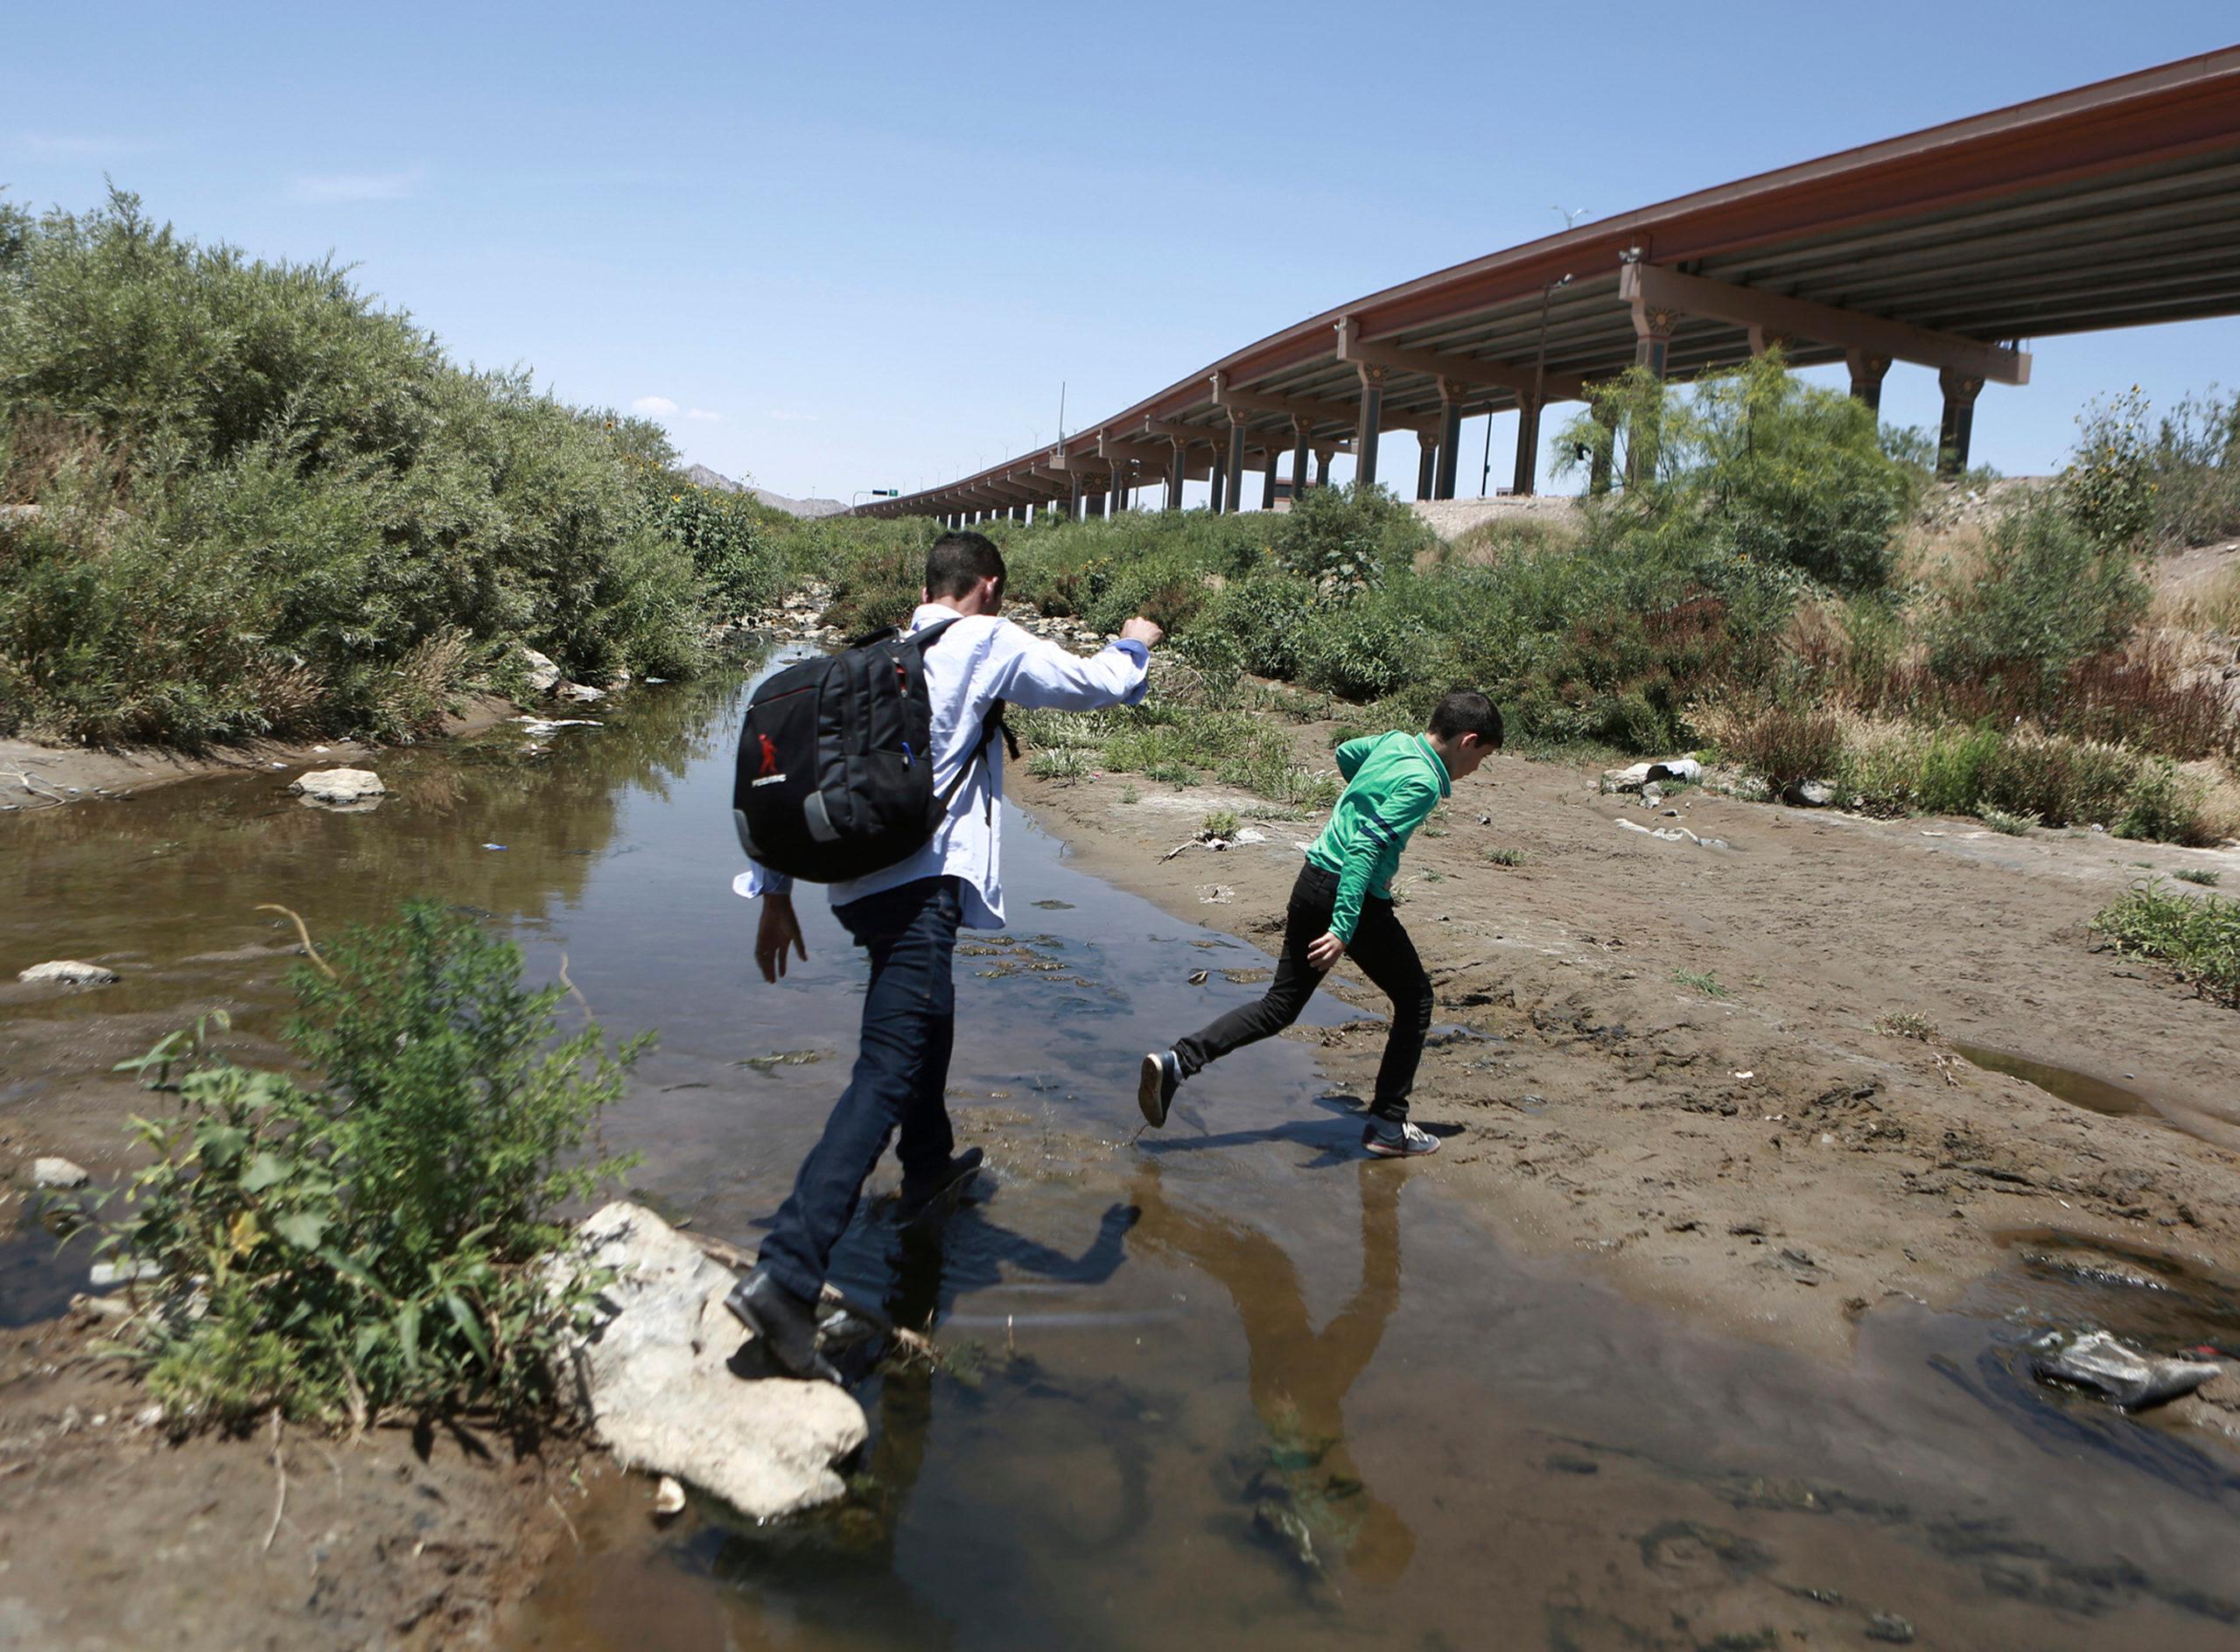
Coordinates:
column 1393, row 782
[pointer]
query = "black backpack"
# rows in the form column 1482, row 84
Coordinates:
column 835, row 762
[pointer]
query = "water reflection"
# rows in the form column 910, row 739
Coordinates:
column 1307, row 1492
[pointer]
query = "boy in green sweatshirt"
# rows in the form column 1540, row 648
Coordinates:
column 1342, row 904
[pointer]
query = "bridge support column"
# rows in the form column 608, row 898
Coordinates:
column 1220, row 482
column 1426, row 463
column 1322, row 467
column 1866, row 378
column 1652, row 338
column 1450, row 438
column 1267, row 482
column 1177, row 473
column 1959, row 423
column 1299, row 458
column 1527, row 475
column 1234, row 472
column 1365, row 431
column 1119, row 486
column 1652, row 348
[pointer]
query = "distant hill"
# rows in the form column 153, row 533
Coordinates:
column 706, row 478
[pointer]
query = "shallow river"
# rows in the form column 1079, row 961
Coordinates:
column 1226, row 1385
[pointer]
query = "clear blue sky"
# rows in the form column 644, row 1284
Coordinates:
column 860, row 246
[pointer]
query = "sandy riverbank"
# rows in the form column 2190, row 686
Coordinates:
column 1768, row 1160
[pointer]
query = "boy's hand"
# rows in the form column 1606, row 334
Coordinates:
column 1141, row 630
column 779, row 930
column 1324, row 950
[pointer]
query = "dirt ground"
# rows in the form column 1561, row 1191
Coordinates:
column 113, row 1536
column 1764, row 1158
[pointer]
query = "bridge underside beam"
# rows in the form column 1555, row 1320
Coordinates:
column 1653, row 290
column 1317, row 410
column 1516, row 377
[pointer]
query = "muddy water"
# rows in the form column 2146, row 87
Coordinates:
column 1226, row 1385
column 2078, row 1090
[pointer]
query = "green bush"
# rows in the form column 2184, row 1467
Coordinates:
column 375, row 1239
column 1363, row 649
column 727, row 536
column 1952, row 770
column 2165, row 805
column 2048, row 597
column 2195, row 462
column 1344, row 540
column 2062, row 782
column 267, row 507
column 2108, row 488
column 1259, row 623
column 1755, row 464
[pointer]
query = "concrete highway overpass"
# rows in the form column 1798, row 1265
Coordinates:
column 2113, row 205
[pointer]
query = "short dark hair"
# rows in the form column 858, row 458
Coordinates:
column 1468, row 711
column 958, row 562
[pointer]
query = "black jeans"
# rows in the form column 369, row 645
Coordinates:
column 1380, row 946
column 901, row 1071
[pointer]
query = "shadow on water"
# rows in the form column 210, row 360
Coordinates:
column 1228, row 1384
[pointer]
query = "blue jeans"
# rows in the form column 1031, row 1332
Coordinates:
column 901, row 1073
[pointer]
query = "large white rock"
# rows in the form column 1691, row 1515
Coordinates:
column 581, row 693
column 69, row 973
column 57, row 1173
column 542, row 674
column 653, row 1376
column 340, row 788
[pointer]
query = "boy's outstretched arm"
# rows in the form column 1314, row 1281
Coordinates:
column 1353, row 753
column 1028, row 671
column 1373, row 859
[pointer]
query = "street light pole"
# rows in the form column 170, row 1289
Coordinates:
column 1540, row 366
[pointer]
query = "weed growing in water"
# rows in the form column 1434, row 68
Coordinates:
column 381, row 1239
column 1220, row 822
column 2201, row 875
column 1506, row 856
column 1130, row 795
column 2012, row 825
column 1906, row 1024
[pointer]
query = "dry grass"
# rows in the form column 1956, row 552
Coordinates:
column 2205, row 610
column 413, row 697
column 1950, row 556
column 1503, row 540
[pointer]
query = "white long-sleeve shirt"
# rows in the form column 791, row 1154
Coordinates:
column 976, row 662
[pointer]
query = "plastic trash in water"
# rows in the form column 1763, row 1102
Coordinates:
column 493, row 846
column 2133, row 1380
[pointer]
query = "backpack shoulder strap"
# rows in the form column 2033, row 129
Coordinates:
column 926, row 639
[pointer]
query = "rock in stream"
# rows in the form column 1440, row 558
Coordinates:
column 653, row 1376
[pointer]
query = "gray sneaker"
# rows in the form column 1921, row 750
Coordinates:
column 1385, row 1139
column 1161, row 1076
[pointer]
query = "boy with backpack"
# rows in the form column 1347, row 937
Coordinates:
column 1342, row 904
column 876, row 771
